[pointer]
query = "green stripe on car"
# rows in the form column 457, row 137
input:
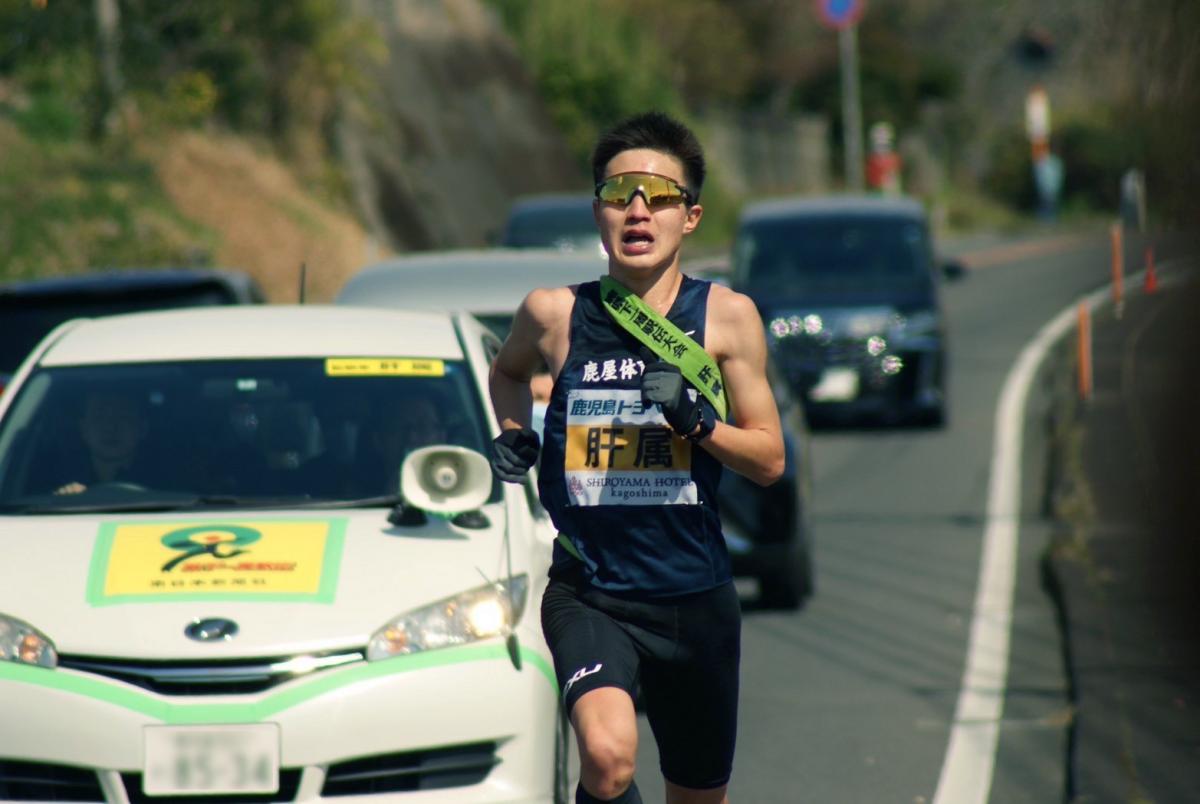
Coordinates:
column 171, row 712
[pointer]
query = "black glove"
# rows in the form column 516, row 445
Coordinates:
column 513, row 452
column 663, row 383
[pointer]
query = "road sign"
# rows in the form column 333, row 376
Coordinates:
column 839, row 14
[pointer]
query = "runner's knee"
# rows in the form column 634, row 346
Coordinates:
column 608, row 762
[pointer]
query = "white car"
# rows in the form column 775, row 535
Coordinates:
column 489, row 283
column 219, row 580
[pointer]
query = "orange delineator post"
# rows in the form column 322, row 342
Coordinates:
column 1118, row 264
column 1085, row 352
column 1151, row 283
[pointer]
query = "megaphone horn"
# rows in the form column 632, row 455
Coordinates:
column 445, row 479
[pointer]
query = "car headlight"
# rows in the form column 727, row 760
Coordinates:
column 487, row 611
column 21, row 642
column 787, row 326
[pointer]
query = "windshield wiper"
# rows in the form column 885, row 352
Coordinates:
column 200, row 502
column 175, row 503
column 380, row 501
column 291, row 501
column 93, row 508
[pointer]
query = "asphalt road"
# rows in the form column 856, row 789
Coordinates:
column 852, row 699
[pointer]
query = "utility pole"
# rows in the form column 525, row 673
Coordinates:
column 843, row 17
column 852, row 135
column 108, row 46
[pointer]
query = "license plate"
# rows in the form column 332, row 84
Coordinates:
column 835, row 385
column 190, row 760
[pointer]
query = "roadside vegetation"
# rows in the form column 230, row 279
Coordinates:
column 89, row 114
column 96, row 94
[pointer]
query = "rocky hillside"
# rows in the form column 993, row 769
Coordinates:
column 450, row 130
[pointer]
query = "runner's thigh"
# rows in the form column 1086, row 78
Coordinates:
column 691, row 698
column 590, row 649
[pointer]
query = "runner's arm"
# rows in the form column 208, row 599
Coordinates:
column 753, row 445
column 520, row 357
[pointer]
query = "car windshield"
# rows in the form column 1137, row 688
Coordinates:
column 26, row 320
column 229, row 432
column 832, row 255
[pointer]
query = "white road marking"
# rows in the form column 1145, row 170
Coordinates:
column 966, row 775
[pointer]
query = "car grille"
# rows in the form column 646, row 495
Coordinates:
column 431, row 769
column 221, row 677
column 811, row 353
column 42, row 781
column 289, row 783
column 427, row 769
column 803, row 359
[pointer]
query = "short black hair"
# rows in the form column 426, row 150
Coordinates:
column 657, row 132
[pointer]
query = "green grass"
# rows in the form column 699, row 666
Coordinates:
column 67, row 206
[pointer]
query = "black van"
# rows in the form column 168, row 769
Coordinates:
column 30, row 309
column 848, row 288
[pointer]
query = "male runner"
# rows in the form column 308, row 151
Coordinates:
column 640, row 588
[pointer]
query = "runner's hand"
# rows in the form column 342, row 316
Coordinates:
column 513, row 453
column 663, row 383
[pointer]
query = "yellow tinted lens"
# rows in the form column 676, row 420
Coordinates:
column 610, row 191
column 657, row 190
column 661, row 190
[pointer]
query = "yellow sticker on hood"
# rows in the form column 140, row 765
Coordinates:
column 257, row 559
column 384, row 367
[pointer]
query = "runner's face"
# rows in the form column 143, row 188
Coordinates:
column 636, row 236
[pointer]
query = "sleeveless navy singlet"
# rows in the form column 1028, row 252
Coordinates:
column 638, row 504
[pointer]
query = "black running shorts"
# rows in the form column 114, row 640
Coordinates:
column 684, row 651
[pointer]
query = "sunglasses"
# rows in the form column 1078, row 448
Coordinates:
column 656, row 191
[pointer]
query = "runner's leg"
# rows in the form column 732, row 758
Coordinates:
column 596, row 665
column 606, row 727
column 691, row 697
column 688, row 795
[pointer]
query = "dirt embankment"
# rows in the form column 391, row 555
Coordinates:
column 267, row 223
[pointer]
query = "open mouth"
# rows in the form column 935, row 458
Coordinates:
column 636, row 241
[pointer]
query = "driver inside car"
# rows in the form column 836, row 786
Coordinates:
column 413, row 424
column 112, row 426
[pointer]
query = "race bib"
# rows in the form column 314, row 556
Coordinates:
column 621, row 453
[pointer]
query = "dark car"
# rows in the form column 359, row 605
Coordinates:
column 849, row 290
column 767, row 529
column 30, row 309
column 562, row 221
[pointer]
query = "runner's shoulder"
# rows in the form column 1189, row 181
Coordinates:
column 547, row 306
column 728, row 305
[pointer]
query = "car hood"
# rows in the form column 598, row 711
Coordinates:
column 292, row 582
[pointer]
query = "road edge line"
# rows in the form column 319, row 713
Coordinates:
column 966, row 774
